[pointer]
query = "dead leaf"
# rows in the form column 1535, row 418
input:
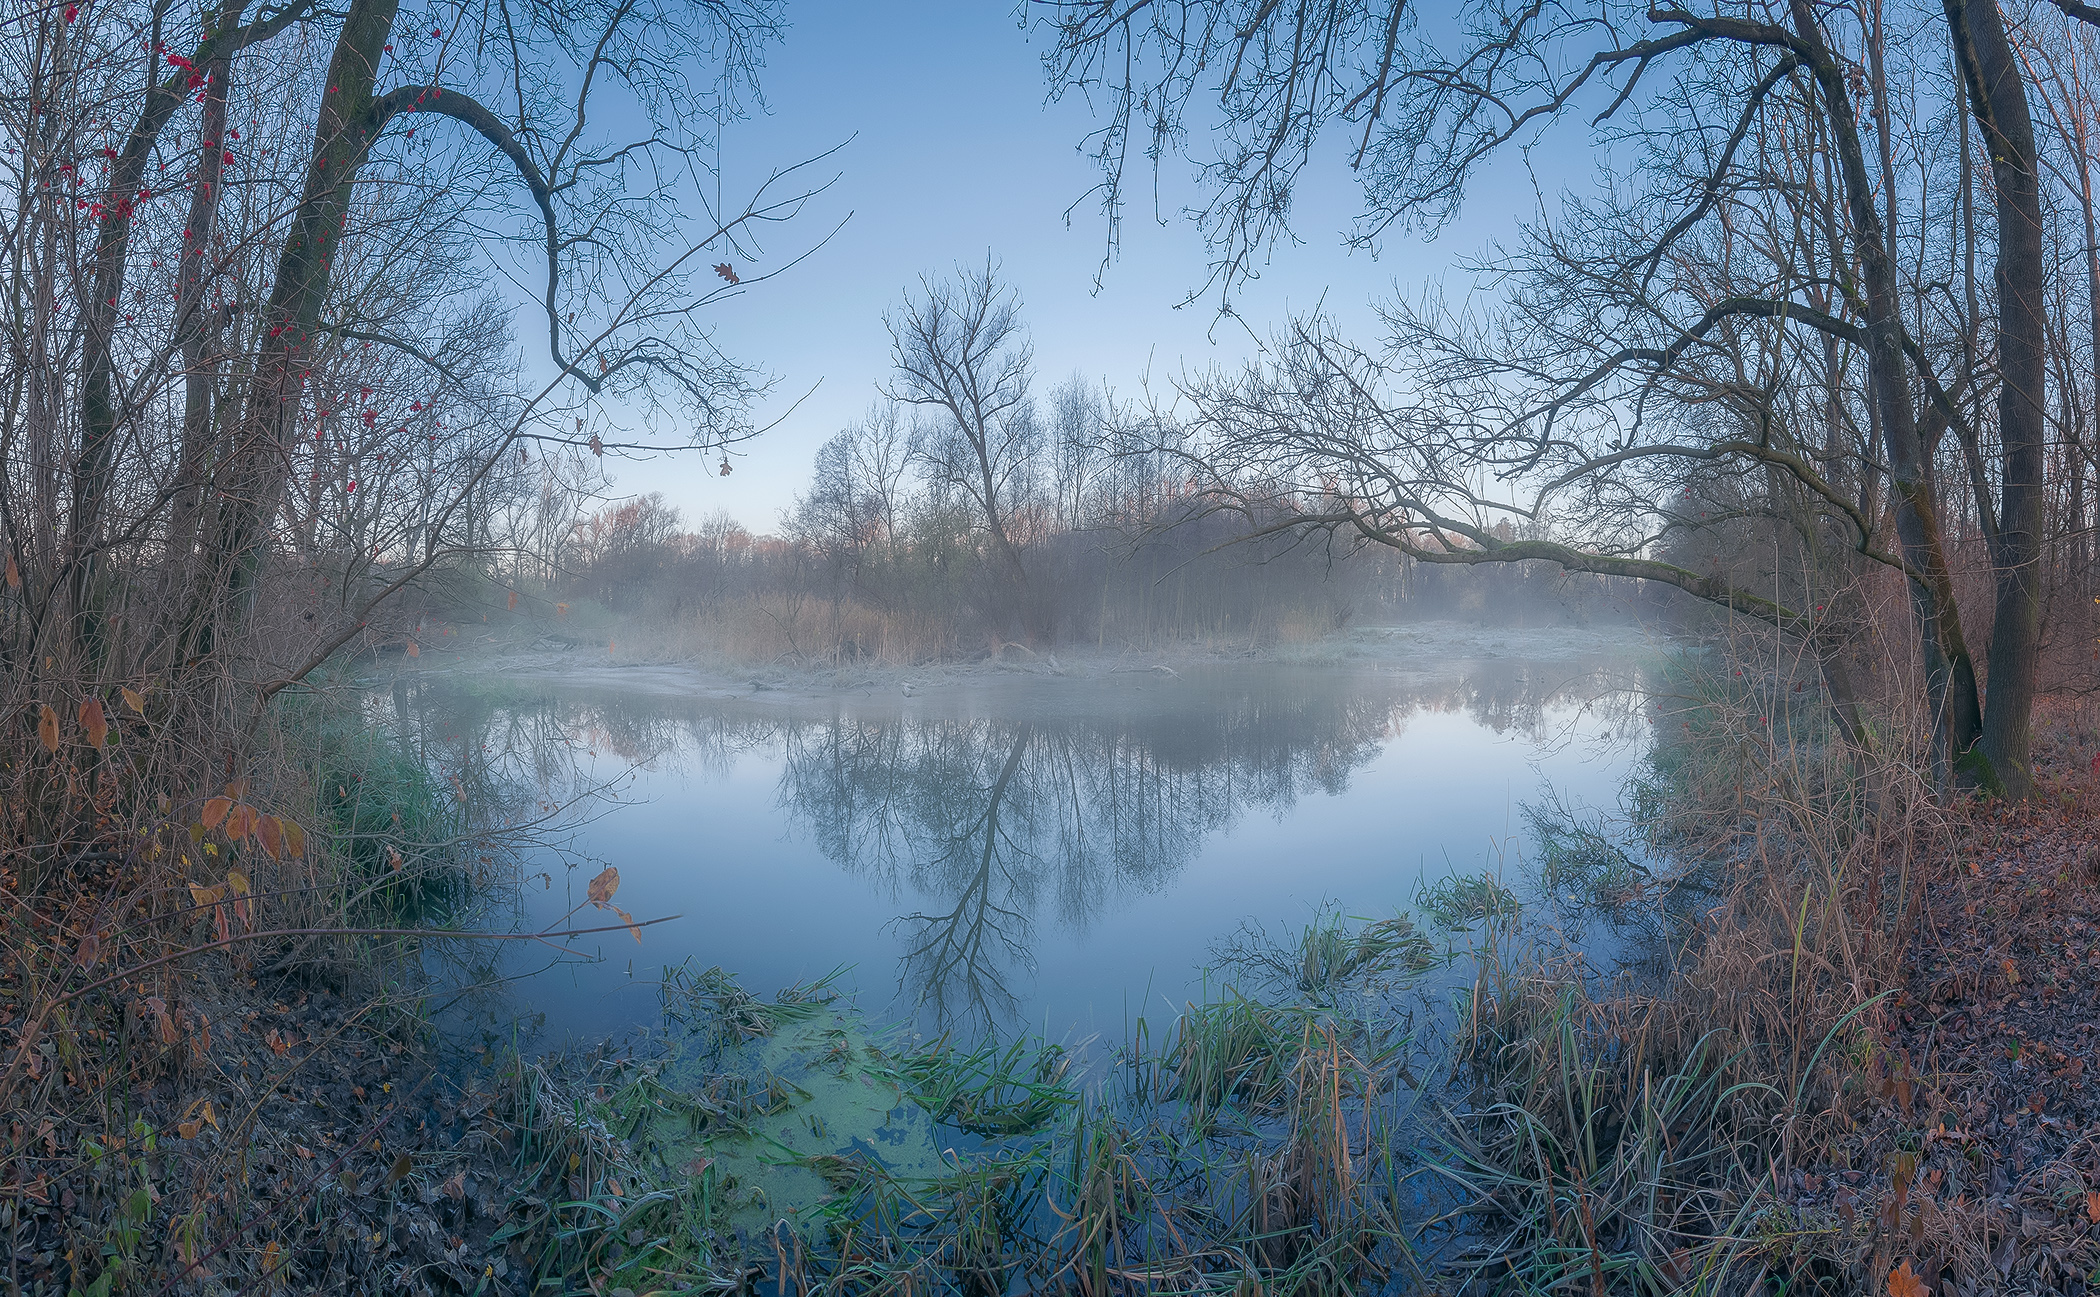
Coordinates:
column 237, row 788
column 270, row 1250
column 204, row 896
column 414, row 650
column 513, row 605
column 215, row 811
column 47, row 729
column 92, row 720
column 90, row 950
column 561, row 610
column 159, row 1009
column 2012, row 972
column 14, row 574
column 133, row 699
column 237, row 883
column 604, row 885
column 399, row 1171
column 1904, row 1282
column 271, row 831
column 240, row 821
column 456, row 1187
column 294, row 839
column 2092, row 1208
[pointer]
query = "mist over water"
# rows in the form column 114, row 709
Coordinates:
column 1045, row 854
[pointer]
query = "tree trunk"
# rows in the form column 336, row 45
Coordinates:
column 262, row 451
column 1998, row 98
column 1950, row 673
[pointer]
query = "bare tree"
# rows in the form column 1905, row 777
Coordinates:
column 1705, row 96
column 960, row 352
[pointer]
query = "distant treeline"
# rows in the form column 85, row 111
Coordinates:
column 886, row 555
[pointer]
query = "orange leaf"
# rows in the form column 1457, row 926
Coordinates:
column 240, row 821
column 414, row 650
column 2092, row 1208
column 215, row 811
column 561, row 610
column 271, row 830
column 14, row 574
column 604, row 885
column 513, row 605
column 134, row 700
column 1904, row 1282
column 237, row 788
column 294, row 840
column 47, row 729
column 92, row 720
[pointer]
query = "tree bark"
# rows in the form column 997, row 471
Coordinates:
column 343, row 137
column 1950, row 672
column 1998, row 98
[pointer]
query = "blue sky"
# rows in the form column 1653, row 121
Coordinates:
column 951, row 151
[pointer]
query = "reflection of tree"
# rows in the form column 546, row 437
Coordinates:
column 964, row 949
column 992, row 824
column 997, row 821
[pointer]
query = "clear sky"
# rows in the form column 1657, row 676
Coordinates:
column 951, row 151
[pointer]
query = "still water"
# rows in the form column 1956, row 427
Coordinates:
column 1052, row 854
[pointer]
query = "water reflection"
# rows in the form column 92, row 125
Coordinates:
column 978, row 828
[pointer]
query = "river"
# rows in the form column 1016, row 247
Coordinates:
column 1057, row 854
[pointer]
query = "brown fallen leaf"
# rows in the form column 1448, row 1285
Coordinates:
column 215, row 811
column 47, row 728
column 93, row 721
column 604, row 885
column 133, row 699
column 271, row 832
column 1904, row 1282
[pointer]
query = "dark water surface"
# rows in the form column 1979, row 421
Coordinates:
column 1052, row 854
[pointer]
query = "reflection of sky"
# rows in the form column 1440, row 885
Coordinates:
column 953, row 152
column 720, row 841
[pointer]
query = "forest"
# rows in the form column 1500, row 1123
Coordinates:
column 339, row 338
